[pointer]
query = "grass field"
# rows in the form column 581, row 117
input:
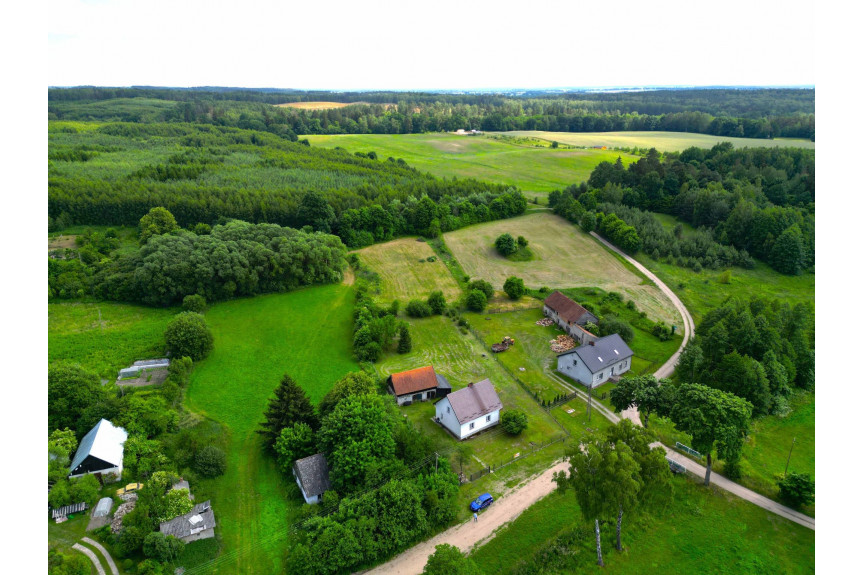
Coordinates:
column 459, row 357
column 564, row 256
column 534, row 169
column 662, row 141
column 701, row 531
column 306, row 333
column 124, row 333
column 403, row 275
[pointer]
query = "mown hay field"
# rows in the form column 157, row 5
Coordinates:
column 662, row 141
column 564, row 256
column 305, row 333
column 403, row 275
column 533, row 169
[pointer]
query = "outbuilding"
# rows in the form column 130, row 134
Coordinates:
column 199, row 523
column 469, row 410
column 100, row 452
column 313, row 477
column 417, row 384
column 569, row 316
column 597, row 362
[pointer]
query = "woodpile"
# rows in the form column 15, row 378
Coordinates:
column 545, row 322
column 562, row 343
column 503, row 345
column 130, row 500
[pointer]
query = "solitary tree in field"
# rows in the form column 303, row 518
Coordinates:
column 506, row 245
column 290, row 405
column 188, row 335
column 514, row 287
column 405, row 343
column 714, row 419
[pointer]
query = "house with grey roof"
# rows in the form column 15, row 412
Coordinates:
column 313, row 477
column 199, row 523
column 597, row 362
column 100, row 452
column 469, row 410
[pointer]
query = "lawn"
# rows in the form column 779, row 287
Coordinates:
column 105, row 337
column 700, row 531
column 766, row 449
column 405, row 271
column 532, row 167
column 459, row 357
column 662, row 141
column 564, row 256
column 306, row 333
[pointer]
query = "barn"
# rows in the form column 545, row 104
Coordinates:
column 100, row 452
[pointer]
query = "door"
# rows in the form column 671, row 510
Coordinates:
column 417, row 397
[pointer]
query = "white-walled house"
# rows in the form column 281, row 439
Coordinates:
column 417, row 384
column 313, row 477
column 100, row 452
column 597, row 362
column 469, row 410
column 569, row 316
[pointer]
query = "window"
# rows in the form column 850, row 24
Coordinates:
column 471, row 424
column 447, row 409
column 488, row 418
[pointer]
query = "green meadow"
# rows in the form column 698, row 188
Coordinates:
column 532, row 166
column 702, row 530
column 305, row 333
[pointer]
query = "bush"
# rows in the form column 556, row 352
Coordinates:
column 85, row 489
column 476, row 300
column 522, row 242
column 405, row 343
column 196, row 303
column 797, row 489
column 210, row 461
column 436, row 302
column 611, row 324
column 506, row 245
column 514, row 287
column 188, row 335
column 514, row 421
column 483, row 286
column 418, row 308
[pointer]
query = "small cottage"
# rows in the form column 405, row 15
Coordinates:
column 417, row 384
column 313, row 477
column 469, row 410
column 199, row 523
column 100, row 452
column 570, row 316
column 597, row 362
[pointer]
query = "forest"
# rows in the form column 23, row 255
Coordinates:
column 751, row 113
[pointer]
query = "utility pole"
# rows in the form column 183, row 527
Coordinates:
column 589, row 401
column 436, row 455
column 787, row 461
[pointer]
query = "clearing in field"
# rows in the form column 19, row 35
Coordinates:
column 662, row 141
column 305, row 333
column 536, row 169
column 564, row 256
column 406, row 272
column 105, row 337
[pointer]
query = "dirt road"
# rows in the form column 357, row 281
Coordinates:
column 465, row 536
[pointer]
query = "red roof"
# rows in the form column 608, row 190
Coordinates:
column 419, row 379
column 566, row 309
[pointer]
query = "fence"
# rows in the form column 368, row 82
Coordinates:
column 66, row 510
column 689, row 450
column 488, row 469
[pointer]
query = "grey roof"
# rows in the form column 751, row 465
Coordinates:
column 198, row 519
column 313, row 473
column 181, row 484
column 164, row 362
column 103, row 507
column 442, row 382
column 604, row 352
column 475, row 400
column 104, row 441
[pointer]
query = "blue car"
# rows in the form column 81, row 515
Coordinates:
column 481, row 502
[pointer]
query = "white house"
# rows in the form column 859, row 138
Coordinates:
column 569, row 316
column 417, row 384
column 313, row 477
column 100, row 452
column 595, row 363
column 469, row 410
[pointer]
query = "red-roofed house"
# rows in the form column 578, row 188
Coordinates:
column 570, row 316
column 417, row 385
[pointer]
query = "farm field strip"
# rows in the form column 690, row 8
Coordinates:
column 662, row 141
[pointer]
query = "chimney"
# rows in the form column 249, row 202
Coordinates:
column 590, row 342
column 470, row 385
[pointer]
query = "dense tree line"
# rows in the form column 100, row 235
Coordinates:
column 744, row 203
column 722, row 112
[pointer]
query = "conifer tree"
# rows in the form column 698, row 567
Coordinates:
column 290, row 405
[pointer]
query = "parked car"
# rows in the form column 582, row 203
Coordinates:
column 130, row 488
column 481, row 502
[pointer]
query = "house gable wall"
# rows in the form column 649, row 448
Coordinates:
column 572, row 366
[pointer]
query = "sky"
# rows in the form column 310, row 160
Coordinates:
column 429, row 45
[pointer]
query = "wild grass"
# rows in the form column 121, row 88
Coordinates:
column 564, row 257
column 305, row 333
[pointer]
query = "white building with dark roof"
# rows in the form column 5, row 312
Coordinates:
column 597, row 362
column 100, row 452
column 469, row 410
column 313, row 477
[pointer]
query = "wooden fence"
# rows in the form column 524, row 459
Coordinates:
column 488, row 469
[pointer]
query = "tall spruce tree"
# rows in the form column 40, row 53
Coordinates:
column 290, row 405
